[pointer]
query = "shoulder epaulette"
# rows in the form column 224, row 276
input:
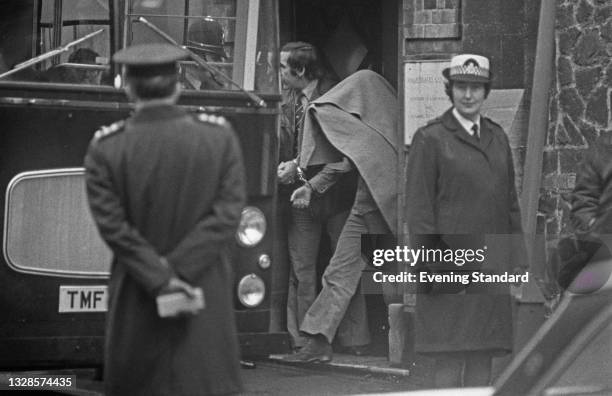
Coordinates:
column 434, row 121
column 212, row 119
column 492, row 122
column 109, row 130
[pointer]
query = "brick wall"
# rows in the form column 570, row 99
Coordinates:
column 432, row 19
column 500, row 29
column 431, row 26
column 580, row 105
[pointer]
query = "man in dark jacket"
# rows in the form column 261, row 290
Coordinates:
column 591, row 214
column 166, row 190
column 592, row 195
column 460, row 194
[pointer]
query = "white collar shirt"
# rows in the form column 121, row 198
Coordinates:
column 465, row 123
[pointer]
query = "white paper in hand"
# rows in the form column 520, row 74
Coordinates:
column 175, row 304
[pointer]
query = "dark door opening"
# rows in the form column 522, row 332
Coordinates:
column 350, row 33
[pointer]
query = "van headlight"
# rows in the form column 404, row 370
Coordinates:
column 264, row 261
column 251, row 290
column 252, row 227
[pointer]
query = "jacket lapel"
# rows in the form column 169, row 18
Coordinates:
column 486, row 136
column 319, row 90
column 451, row 123
column 315, row 94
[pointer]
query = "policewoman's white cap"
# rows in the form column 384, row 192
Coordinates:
column 468, row 67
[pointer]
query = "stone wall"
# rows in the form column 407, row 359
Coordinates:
column 580, row 105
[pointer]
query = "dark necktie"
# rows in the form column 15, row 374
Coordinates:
column 475, row 129
column 298, row 122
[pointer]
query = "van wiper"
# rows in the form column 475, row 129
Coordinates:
column 259, row 102
column 50, row 54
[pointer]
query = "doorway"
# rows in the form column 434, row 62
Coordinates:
column 351, row 34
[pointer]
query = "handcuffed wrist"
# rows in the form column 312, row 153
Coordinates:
column 300, row 175
column 164, row 262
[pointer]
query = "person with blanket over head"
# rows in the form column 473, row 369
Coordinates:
column 356, row 119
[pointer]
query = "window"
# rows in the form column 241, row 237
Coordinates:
column 237, row 38
column 48, row 228
column 42, row 26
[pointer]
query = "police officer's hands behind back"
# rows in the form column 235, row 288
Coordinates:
column 177, row 285
column 179, row 307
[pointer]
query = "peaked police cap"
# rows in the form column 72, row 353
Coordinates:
column 147, row 60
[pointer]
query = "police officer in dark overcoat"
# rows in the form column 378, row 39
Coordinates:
column 460, row 196
column 166, row 189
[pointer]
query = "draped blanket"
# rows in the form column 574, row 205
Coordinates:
column 358, row 118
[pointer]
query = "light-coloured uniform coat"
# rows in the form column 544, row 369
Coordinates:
column 457, row 185
column 168, row 184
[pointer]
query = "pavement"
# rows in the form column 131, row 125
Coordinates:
column 366, row 364
column 271, row 379
column 346, row 374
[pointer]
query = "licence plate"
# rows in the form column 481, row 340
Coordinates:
column 83, row 299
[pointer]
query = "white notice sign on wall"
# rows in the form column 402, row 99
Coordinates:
column 424, row 96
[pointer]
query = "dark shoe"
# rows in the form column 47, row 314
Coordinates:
column 317, row 349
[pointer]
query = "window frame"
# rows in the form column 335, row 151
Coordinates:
column 245, row 36
column 13, row 263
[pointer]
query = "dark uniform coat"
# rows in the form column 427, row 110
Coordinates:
column 591, row 214
column 592, row 195
column 169, row 184
column 457, row 185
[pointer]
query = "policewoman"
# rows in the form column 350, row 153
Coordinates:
column 166, row 189
column 460, row 191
